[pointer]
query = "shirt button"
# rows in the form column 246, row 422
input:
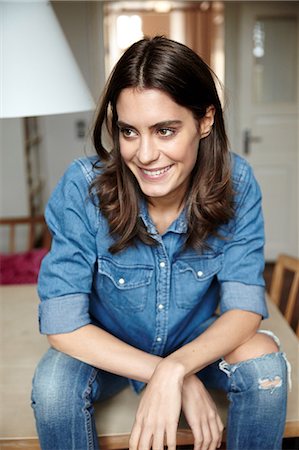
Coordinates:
column 162, row 264
column 121, row 281
column 159, row 339
column 199, row 273
column 160, row 307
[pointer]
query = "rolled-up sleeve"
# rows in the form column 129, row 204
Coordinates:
column 241, row 277
column 66, row 274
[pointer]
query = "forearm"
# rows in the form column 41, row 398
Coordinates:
column 228, row 332
column 100, row 349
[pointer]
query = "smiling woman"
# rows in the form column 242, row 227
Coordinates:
column 171, row 229
column 153, row 90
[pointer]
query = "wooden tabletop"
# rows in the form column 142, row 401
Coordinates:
column 22, row 347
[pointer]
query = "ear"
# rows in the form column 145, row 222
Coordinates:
column 207, row 122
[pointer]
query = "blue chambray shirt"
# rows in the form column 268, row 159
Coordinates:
column 154, row 298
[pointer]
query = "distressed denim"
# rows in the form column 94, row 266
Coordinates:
column 257, row 391
column 65, row 389
column 152, row 297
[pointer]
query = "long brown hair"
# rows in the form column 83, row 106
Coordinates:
column 160, row 63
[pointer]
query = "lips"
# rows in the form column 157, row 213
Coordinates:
column 153, row 173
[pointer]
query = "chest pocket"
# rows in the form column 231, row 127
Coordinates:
column 124, row 287
column 193, row 277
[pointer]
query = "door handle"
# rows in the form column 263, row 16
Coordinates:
column 247, row 140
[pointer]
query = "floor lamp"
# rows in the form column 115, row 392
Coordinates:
column 38, row 72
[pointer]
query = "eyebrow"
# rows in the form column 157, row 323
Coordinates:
column 163, row 124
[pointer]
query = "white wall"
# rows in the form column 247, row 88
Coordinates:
column 13, row 194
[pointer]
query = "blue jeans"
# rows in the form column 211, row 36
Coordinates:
column 65, row 389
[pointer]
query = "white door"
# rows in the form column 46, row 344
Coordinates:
column 268, row 120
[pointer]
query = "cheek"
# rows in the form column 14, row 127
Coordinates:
column 126, row 151
column 189, row 156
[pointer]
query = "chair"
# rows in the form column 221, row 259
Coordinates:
column 285, row 264
column 36, row 232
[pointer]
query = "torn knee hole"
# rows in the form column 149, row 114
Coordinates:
column 270, row 383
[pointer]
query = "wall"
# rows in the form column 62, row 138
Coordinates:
column 13, row 198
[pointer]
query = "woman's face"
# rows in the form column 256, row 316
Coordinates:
column 158, row 141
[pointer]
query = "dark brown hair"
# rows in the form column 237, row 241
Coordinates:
column 160, row 63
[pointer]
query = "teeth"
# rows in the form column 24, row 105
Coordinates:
column 155, row 173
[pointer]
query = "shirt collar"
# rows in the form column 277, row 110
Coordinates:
column 178, row 226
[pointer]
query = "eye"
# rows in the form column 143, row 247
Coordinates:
column 128, row 132
column 166, row 132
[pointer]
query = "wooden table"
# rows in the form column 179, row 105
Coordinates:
column 22, row 347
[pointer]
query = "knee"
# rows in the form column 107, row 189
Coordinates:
column 50, row 383
column 260, row 344
column 58, row 382
column 259, row 371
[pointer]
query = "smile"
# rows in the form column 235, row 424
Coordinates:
column 156, row 172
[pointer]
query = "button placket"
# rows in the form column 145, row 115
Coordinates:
column 162, row 298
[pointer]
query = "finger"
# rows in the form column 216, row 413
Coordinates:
column 134, row 437
column 198, row 438
column 207, row 437
column 158, row 440
column 220, row 428
column 145, row 440
column 171, row 436
column 215, row 434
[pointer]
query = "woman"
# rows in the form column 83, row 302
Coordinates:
column 148, row 239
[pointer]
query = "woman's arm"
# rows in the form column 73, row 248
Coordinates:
column 101, row 349
column 168, row 390
column 229, row 331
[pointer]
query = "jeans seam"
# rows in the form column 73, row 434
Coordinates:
column 87, row 403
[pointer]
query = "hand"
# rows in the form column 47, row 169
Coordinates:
column 201, row 414
column 159, row 410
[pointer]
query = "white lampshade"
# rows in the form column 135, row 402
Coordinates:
column 38, row 72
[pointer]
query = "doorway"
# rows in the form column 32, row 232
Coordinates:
column 262, row 44
column 197, row 24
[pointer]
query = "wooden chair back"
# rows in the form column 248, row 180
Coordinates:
column 37, row 232
column 283, row 264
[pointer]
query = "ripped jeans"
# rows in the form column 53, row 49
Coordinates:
column 65, row 389
column 257, row 390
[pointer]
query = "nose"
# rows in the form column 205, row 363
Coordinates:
column 147, row 151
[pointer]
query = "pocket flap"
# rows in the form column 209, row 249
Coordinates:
column 202, row 267
column 125, row 276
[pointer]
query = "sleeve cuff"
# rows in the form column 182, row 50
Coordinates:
column 64, row 314
column 236, row 295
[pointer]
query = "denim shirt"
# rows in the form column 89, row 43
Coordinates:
column 155, row 298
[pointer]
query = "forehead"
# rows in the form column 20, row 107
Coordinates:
column 149, row 105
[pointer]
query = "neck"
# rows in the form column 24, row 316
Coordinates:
column 164, row 212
